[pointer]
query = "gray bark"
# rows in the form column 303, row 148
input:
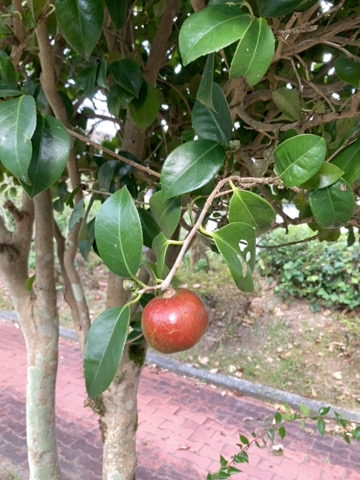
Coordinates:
column 119, row 422
column 38, row 318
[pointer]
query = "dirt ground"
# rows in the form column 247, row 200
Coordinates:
column 286, row 346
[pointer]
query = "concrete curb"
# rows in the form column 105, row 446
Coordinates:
column 237, row 385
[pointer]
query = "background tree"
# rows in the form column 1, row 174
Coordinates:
column 229, row 111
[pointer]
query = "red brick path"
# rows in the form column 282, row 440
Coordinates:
column 183, row 427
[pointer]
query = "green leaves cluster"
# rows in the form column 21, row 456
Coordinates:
column 300, row 162
column 81, row 24
column 131, row 91
column 348, row 431
column 34, row 148
column 218, row 26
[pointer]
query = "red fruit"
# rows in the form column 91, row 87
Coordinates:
column 175, row 321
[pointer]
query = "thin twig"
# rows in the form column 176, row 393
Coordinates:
column 289, row 244
column 138, row 166
column 348, row 141
column 186, row 103
column 311, row 121
column 348, row 54
column 250, row 181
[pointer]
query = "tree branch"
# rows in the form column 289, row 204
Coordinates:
column 49, row 84
column 160, row 43
column 138, row 166
column 245, row 182
column 308, row 121
column 70, row 292
column 14, row 250
column 307, row 41
column 198, row 5
column 45, row 284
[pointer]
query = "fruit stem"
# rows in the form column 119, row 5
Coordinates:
column 133, row 340
column 135, row 299
column 169, row 292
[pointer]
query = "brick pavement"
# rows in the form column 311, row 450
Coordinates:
column 184, row 426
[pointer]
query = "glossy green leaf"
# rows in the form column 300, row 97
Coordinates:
column 144, row 110
column 77, row 214
column 37, row 7
column 282, row 432
column 333, row 206
column 149, row 226
column 104, row 348
column 321, row 426
column 7, row 70
column 327, row 235
column 254, row 52
column 271, row 435
column 325, row 176
column 244, row 439
column 166, row 212
column 160, row 246
column 278, row 8
column 211, row 29
column 86, row 81
column 118, row 99
column 298, row 158
column 348, row 71
column 17, row 125
column 80, row 23
column 190, row 166
column 204, row 93
column 248, row 207
column 50, row 152
column 117, row 11
column 127, row 74
column 8, row 90
column 213, row 123
column 106, row 174
column 349, row 161
column 236, row 243
column 29, row 282
column 102, row 74
column 288, row 102
column 324, row 410
column 278, row 417
column 86, row 237
column 118, row 234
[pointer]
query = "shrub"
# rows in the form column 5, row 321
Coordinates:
column 325, row 273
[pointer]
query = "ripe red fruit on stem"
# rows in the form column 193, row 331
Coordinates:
column 175, row 321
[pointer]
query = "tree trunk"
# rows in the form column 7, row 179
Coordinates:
column 119, row 402
column 119, row 422
column 37, row 311
column 118, row 419
column 42, row 354
column 41, row 329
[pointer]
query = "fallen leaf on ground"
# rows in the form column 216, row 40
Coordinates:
column 337, row 375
